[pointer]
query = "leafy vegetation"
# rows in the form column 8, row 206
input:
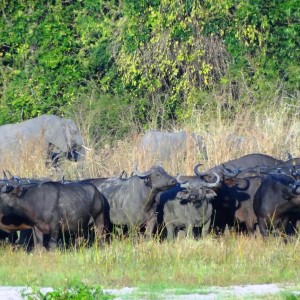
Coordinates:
column 76, row 291
column 161, row 58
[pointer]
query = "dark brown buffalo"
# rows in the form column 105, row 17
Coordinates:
column 50, row 207
column 234, row 202
column 277, row 202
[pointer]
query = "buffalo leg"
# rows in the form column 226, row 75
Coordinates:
column 262, row 226
column 38, row 238
column 99, row 227
column 282, row 225
column 250, row 226
column 150, row 228
column 26, row 239
column 54, row 232
column 171, row 231
column 206, row 228
column 189, row 231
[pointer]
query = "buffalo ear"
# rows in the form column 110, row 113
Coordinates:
column 17, row 191
column 147, row 181
column 242, row 183
column 230, row 182
column 6, row 188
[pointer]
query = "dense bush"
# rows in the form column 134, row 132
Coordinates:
column 158, row 57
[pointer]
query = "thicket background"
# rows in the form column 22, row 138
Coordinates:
column 133, row 64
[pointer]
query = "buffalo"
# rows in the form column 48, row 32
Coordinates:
column 249, row 161
column 132, row 200
column 50, row 207
column 234, row 202
column 165, row 146
column 277, row 202
column 187, row 206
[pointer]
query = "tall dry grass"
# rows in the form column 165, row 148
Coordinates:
column 274, row 131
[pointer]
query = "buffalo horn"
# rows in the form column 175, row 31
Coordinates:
column 230, row 173
column 184, row 185
column 296, row 187
column 212, row 184
column 180, row 181
column 16, row 178
column 197, row 172
column 141, row 175
column 4, row 174
column 9, row 174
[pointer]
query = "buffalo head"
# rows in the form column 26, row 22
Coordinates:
column 157, row 178
column 293, row 191
column 197, row 189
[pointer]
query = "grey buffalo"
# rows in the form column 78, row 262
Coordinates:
column 53, row 135
column 50, row 207
column 165, row 146
column 188, row 206
column 132, row 201
column 277, row 202
column 249, row 161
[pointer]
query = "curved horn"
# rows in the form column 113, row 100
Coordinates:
column 9, row 174
column 229, row 173
column 185, row 184
column 197, row 172
column 4, row 174
column 16, row 178
column 180, row 181
column 292, row 171
column 296, row 187
column 141, row 175
column 212, row 184
column 123, row 175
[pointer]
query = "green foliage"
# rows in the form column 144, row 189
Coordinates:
column 153, row 55
column 173, row 59
column 107, row 117
column 77, row 291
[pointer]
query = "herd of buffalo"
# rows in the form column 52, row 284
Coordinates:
column 255, row 189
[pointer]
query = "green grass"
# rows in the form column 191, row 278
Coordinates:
column 186, row 264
